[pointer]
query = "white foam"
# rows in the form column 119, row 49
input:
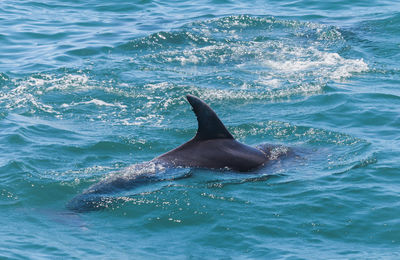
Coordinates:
column 154, row 119
column 284, row 61
column 69, row 81
column 99, row 102
column 28, row 91
column 330, row 65
column 283, row 68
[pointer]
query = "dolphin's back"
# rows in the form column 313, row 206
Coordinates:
column 215, row 154
column 213, row 146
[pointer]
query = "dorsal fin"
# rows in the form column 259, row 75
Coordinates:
column 210, row 126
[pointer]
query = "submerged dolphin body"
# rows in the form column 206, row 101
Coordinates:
column 213, row 147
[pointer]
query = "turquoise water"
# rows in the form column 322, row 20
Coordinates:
column 91, row 87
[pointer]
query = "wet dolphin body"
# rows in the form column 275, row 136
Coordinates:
column 213, row 147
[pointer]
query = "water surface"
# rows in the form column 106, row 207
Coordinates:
column 88, row 88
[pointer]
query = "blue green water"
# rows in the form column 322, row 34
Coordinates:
column 90, row 87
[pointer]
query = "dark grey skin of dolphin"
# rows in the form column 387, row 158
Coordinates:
column 213, row 147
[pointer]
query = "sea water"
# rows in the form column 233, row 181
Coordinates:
column 88, row 88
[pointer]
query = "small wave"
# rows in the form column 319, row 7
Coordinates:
column 8, row 198
column 96, row 102
column 32, row 129
column 386, row 24
column 26, row 92
column 15, row 171
column 163, row 40
column 236, row 57
column 55, row 94
column 280, row 58
column 88, row 51
column 290, row 133
column 80, row 176
column 3, row 78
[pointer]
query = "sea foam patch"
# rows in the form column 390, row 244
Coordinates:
column 265, row 56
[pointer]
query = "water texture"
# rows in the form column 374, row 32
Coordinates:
column 88, row 88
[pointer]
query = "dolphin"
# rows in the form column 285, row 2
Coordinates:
column 213, row 147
